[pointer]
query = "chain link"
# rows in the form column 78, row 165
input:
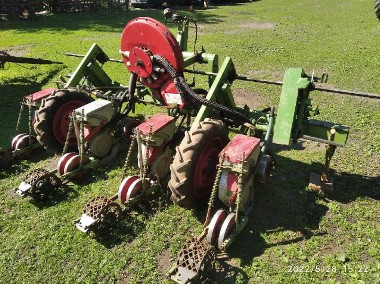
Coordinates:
column 66, row 146
column 20, row 116
column 184, row 88
column 129, row 156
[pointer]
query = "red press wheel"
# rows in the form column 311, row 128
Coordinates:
column 72, row 164
column 20, row 142
column 229, row 225
column 214, row 226
column 62, row 162
column 124, row 187
column 134, row 189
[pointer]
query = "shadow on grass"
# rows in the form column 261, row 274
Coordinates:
column 19, row 166
column 112, row 21
column 63, row 194
column 12, row 93
column 67, row 192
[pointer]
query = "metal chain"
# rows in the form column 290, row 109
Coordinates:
column 19, row 116
column 213, row 192
column 66, row 146
column 82, row 138
column 129, row 155
column 30, row 122
column 145, row 162
column 184, row 88
column 240, row 191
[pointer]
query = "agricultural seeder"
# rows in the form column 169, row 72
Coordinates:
column 188, row 147
column 191, row 142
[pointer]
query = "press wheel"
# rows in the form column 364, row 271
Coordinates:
column 215, row 225
column 20, row 142
column 124, row 188
column 229, row 225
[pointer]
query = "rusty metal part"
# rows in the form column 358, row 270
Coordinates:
column 324, row 182
column 42, row 182
column 95, row 206
column 103, row 210
column 194, row 263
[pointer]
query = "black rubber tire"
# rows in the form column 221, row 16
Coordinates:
column 187, row 157
column 48, row 109
column 377, row 9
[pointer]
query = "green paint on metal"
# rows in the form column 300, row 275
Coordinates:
column 291, row 107
column 182, row 34
column 89, row 68
column 321, row 130
column 216, row 88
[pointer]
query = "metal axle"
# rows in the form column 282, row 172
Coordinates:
column 280, row 83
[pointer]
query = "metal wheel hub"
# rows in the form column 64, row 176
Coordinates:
column 205, row 170
column 61, row 121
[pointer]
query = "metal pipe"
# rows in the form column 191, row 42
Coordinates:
column 81, row 55
column 270, row 129
column 280, row 83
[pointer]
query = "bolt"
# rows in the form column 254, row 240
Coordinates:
column 154, row 76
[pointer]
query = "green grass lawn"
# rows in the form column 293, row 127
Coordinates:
column 292, row 230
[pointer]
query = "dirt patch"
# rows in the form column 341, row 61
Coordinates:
column 252, row 100
column 163, row 262
column 18, row 50
column 252, row 26
column 53, row 162
column 258, row 26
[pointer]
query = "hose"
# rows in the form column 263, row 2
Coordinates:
column 183, row 88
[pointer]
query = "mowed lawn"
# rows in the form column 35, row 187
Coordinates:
column 294, row 236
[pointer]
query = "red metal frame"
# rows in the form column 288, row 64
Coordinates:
column 240, row 144
column 155, row 124
column 143, row 37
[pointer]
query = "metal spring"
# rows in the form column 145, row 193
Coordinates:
column 30, row 122
column 240, row 190
column 19, row 116
column 66, row 146
column 213, row 192
column 129, row 155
